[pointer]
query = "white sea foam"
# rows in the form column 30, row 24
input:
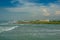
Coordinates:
column 2, row 29
column 9, row 29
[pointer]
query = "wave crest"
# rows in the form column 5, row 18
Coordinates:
column 2, row 29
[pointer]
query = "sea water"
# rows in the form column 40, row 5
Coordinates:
column 29, row 31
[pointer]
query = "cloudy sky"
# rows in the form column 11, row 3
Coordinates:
column 29, row 9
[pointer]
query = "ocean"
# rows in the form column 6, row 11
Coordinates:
column 29, row 31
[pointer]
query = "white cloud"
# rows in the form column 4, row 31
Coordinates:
column 47, row 14
column 20, row 1
column 57, row 12
column 35, row 11
column 46, row 11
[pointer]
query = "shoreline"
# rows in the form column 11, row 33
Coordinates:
column 38, row 23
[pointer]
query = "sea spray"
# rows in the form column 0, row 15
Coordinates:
column 2, row 29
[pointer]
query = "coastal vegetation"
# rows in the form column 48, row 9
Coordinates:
column 38, row 22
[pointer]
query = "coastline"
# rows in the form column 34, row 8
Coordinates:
column 37, row 22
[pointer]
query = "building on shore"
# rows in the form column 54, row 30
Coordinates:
column 44, row 20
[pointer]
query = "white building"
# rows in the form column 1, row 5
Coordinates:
column 45, row 20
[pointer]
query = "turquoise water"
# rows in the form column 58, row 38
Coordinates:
column 30, row 32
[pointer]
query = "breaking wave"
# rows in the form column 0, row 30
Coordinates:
column 2, row 29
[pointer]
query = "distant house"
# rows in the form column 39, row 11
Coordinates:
column 44, row 20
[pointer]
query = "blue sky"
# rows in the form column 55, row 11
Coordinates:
column 8, row 3
column 29, row 9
